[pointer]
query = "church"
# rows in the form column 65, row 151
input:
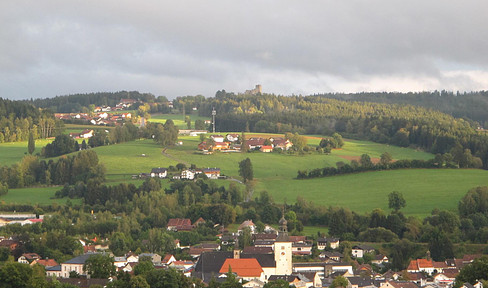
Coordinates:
column 249, row 266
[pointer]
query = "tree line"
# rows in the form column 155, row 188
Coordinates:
column 32, row 171
column 18, row 120
column 396, row 124
column 457, row 159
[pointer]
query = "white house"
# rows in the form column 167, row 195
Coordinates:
column 159, row 172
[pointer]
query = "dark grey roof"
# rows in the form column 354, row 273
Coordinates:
column 360, row 281
column 158, row 170
column 287, row 278
column 79, row 260
column 363, row 247
column 54, row 268
column 265, row 260
column 332, row 254
column 257, row 250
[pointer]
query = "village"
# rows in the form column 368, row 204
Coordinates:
column 273, row 255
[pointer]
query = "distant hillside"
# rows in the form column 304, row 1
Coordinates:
column 472, row 105
column 79, row 102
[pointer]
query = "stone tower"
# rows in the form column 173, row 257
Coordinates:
column 282, row 250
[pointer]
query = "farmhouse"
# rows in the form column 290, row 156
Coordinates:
column 28, row 258
column 179, row 224
column 322, row 243
column 159, row 172
column 246, row 224
column 212, row 173
column 232, row 137
column 87, row 133
column 358, row 251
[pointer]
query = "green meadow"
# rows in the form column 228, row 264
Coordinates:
column 178, row 119
column 13, row 152
column 424, row 189
column 35, row 195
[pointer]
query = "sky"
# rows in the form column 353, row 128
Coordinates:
column 178, row 48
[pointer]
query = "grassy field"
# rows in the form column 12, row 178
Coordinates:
column 423, row 189
column 37, row 195
column 178, row 119
column 13, row 152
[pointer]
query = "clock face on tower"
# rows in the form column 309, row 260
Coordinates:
column 282, row 253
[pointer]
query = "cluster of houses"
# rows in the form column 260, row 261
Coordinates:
column 85, row 134
column 272, row 256
column 22, row 219
column 124, row 104
column 233, row 143
column 185, row 174
column 100, row 118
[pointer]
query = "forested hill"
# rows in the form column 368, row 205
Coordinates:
column 18, row 119
column 402, row 125
column 472, row 105
column 77, row 102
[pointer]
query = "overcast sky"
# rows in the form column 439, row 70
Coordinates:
column 177, row 48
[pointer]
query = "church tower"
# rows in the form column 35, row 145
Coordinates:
column 282, row 250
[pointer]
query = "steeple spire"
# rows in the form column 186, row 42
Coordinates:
column 283, row 230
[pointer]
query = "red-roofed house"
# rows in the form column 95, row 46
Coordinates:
column 179, row 224
column 168, row 259
column 247, row 269
column 266, row 148
column 46, row 262
column 421, row 265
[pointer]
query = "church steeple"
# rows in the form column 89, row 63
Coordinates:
column 283, row 249
column 283, row 229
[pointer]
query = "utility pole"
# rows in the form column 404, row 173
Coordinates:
column 213, row 118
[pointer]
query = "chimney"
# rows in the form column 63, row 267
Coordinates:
column 237, row 254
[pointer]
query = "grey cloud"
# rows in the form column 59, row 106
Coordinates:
column 196, row 47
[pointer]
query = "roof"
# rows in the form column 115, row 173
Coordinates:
column 424, row 263
column 287, row 278
column 413, row 266
column 31, row 256
column 79, row 260
column 264, row 236
column 179, row 222
column 360, row 281
column 242, row 267
column 363, row 247
column 48, row 263
column 54, row 268
column 403, row 284
column 258, row 250
column 297, row 238
column 441, row 264
column 158, row 170
column 245, row 224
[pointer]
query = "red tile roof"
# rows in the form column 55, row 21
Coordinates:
column 242, row 267
column 413, row 266
column 424, row 263
column 47, row 262
column 179, row 222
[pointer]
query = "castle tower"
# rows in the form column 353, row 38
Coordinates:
column 282, row 250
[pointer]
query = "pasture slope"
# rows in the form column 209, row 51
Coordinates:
column 423, row 189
